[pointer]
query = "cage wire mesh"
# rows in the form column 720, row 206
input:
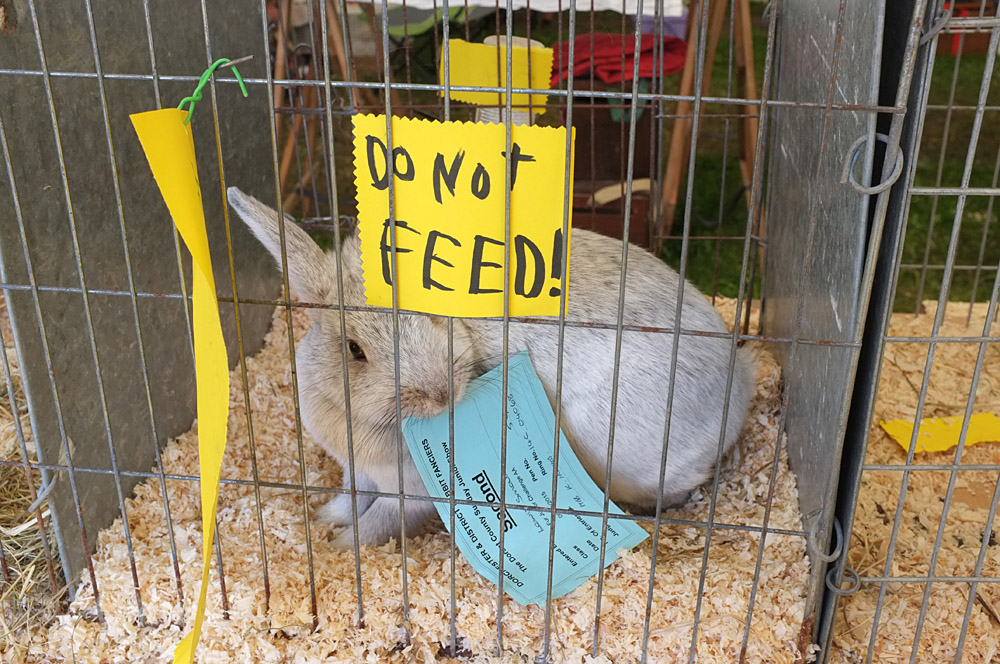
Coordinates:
column 823, row 172
column 919, row 577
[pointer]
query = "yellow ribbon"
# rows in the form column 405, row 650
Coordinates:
column 169, row 148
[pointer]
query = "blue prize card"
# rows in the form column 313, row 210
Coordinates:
column 530, row 427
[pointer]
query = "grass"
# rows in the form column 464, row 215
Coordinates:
column 931, row 220
column 942, row 161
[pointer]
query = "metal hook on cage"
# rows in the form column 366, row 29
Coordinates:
column 302, row 68
column 347, row 223
column 939, row 24
column 43, row 494
column 855, row 151
column 765, row 15
column 817, row 553
column 833, row 587
column 543, row 659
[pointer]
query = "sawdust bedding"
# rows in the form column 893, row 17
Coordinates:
column 949, row 385
column 283, row 633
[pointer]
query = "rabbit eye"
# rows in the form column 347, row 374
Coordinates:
column 355, row 349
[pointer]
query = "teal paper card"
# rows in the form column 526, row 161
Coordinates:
column 530, row 427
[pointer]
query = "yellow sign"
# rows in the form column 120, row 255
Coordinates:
column 941, row 433
column 450, row 215
column 482, row 65
column 169, row 149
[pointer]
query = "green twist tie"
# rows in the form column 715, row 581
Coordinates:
column 196, row 95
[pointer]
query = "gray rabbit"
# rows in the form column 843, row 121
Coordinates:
column 588, row 366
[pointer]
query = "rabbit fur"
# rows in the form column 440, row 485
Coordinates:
column 588, row 368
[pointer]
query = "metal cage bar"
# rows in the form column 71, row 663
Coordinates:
column 287, row 295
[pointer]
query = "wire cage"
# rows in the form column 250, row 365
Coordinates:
column 823, row 172
column 920, row 567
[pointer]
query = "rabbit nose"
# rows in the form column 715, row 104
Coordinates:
column 424, row 402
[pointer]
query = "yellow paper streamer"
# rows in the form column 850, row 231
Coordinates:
column 169, row 147
column 938, row 434
column 477, row 65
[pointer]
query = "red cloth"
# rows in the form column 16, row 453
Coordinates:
column 606, row 58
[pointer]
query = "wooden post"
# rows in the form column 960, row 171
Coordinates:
column 369, row 9
column 679, row 135
column 336, row 38
column 751, row 121
column 281, row 52
column 716, row 17
column 682, row 136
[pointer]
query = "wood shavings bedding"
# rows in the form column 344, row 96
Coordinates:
column 965, row 526
column 250, row 633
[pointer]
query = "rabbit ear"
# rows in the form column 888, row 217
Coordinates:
column 308, row 268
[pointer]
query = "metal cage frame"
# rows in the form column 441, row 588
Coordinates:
column 883, row 185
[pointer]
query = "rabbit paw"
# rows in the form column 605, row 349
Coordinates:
column 339, row 511
column 345, row 540
column 366, row 537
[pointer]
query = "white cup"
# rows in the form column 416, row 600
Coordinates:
column 498, row 114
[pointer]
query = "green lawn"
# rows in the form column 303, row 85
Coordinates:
column 968, row 76
column 975, row 223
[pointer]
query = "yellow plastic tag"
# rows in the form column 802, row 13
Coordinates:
column 938, row 434
column 450, row 216
column 169, row 148
column 478, row 65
